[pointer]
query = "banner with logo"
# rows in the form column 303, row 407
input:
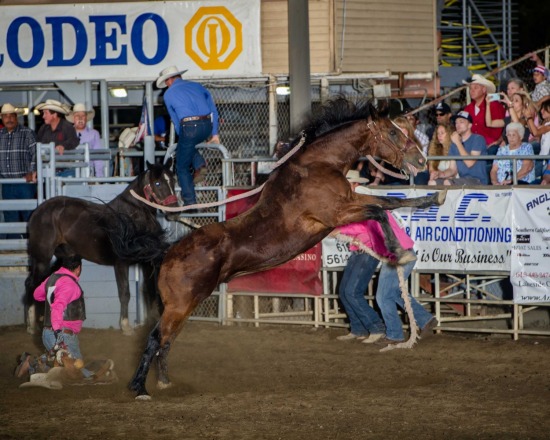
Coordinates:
column 530, row 267
column 129, row 41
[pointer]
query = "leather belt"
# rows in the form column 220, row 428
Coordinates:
column 194, row 118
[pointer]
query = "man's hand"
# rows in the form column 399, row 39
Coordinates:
column 60, row 149
column 214, row 139
column 30, row 177
column 455, row 138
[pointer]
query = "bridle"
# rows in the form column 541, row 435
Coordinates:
column 379, row 139
column 152, row 197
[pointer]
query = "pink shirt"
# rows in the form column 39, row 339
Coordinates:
column 66, row 291
column 370, row 233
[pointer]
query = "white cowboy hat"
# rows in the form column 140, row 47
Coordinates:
column 53, row 105
column 80, row 108
column 8, row 109
column 169, row 72
column 354, row 177
column 482, row 81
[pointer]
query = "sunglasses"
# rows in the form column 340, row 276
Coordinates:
column 440, row 114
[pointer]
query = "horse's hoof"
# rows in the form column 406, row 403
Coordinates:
column 164, row 385
column 441, row 196
column 127, row 330
column 143, row 398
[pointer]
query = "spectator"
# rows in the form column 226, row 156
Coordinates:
column 480, row 109
column 58, row 130
column 540, row 77
column 443, row 113
column 502, row 171
column 80, row 118
column 465, row 143
column 420, row 135
column 17, row 160
column 518, row 108
column 439, row 146
column 192, row 109
column 368, row 238
column 514, row 85
column 545, row 142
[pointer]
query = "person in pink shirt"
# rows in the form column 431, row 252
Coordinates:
column 366, row 238
column 65, row 310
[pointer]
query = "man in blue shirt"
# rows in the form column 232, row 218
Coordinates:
column 465, row 143
column 192, row 109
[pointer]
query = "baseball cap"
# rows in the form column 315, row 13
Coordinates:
column 463, row 115
column 443, row 107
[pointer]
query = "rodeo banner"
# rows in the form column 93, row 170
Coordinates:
column 129, row 41
column 504, row 230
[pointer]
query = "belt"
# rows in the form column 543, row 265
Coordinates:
column 63, row 330
column 194, row 118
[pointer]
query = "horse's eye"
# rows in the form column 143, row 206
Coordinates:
column 393, row 132
column 157, row 183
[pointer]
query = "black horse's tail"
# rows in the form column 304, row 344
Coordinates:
column 136, row 244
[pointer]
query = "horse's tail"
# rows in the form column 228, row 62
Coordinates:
column 136, row 244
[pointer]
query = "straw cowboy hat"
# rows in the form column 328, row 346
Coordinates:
column 54, row 106
column 127, row 137
column 8, row 109
column 354, row 177
column 80, row 108
column 169, row 72
column 482, row 81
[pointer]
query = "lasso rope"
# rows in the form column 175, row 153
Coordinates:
column 224, row 201
column 404, row 292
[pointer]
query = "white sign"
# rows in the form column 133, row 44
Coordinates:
column 530, row 268
column 335, row 253
column 129, row 41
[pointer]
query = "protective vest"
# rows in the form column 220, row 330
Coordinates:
column 75, row 310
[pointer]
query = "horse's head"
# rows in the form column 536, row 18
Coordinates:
column 392, row 146
column 159, row 184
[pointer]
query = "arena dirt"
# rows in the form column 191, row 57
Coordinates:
column 291, row 383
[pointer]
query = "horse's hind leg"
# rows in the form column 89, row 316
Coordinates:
column 123, row 287
column 38, row 271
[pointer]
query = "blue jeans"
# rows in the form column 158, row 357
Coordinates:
column 71, row 341
column 363, row 319
column 191, row 134
column 388, row 297
column 15, row 191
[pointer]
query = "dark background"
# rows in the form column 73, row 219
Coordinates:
column 533, row 25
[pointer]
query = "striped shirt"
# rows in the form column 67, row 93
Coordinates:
column 17, row 152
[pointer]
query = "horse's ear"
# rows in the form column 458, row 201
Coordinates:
column 168, row 164
column 149, row 165
column 383, row 108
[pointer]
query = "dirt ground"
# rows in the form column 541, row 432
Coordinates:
column 291, row 383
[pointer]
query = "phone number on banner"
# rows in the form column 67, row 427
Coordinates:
column 335, row 253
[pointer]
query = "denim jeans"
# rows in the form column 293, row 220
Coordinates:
column 71, row 341
column 388, row 297
column 15, row 191
column 363, row 319
column 191, row 134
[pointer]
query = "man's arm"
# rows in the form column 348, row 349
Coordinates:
column 457, row 140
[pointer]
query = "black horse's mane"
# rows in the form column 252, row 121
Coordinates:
column 333, row 114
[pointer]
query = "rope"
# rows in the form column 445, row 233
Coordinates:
column 404, row 292
column 224, row 201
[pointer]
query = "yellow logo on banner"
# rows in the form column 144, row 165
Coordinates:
column 213, row 38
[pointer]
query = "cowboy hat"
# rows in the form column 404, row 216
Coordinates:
column 127, row 137
column 354, row 177
column 169, row 72
column 8, row 109
column 80, row 108
column 54, row 106
column 482, row 81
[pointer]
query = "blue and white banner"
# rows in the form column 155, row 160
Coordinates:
column 530, row 268
column 129, row 41
column 505, row 230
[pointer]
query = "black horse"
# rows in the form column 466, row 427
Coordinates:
column 89, row 229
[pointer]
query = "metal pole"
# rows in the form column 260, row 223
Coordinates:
column 104, row 104
column 88, row 102
column 149, row 141
column 273, row 122
column 298, row 62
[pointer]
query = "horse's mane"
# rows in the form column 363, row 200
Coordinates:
column 333, row 114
